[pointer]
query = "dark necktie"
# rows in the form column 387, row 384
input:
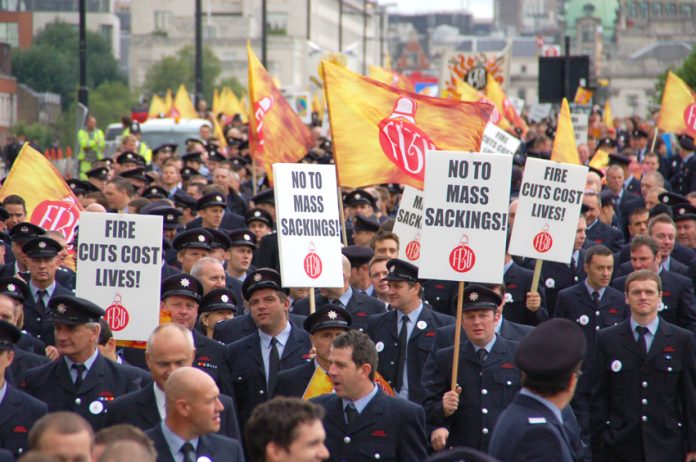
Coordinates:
column 80, row 368
column 642, row 341
column 401, row 355
column 273, row 365
column 351, row 413
column 40, row 294
column 482, row 354
column 595, row 298
column 188, row 451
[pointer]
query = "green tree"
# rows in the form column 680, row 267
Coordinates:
column 36, row 132
column 109, row 102
column 687, row 72
column 234, row 84
column 52, row 62
column 171, row 71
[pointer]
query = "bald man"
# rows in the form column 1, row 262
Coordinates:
column 358, row 304
column 169, row 348
column 193, row 411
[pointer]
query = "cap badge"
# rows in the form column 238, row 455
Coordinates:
column 61, row 308
column 473, row 296
column 218, row 198
column 24, row 229
column 257, row 214
column 170, row 217
column 665, row 199
column 185, row 282
column 357, row 196
column 247, row 237
column 392, row 268
column 682, row 211
column 332, row 314
column 42, row 245
column 224, row 298
column 11, row 287
column 201, row 238
column 258, row 277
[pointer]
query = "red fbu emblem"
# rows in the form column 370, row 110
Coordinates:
column 260, row 110
column 117, row 315
column 543, row 241
column 462, row 258
column 690, row 117
column 402, row 141
column 312, row 263
column 59, row 216
column 413, row 249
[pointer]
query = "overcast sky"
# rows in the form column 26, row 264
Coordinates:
column 480, row 8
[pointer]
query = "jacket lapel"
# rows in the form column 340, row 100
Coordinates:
column 94, row 376
column 662, row 337
column 370, row 414
column 295, row 342
column 10, row 406
column 148, row 406
column 254, row 350
column 426, row 316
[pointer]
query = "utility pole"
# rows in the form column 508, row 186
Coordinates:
column 264, row 34
column 83, row 92
column 198, row 93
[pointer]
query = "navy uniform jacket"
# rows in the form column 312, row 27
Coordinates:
column 104, row 381
column 237, row 328
column 235, row 285
column 678, row 301
column 518, row 282
column 28, row 342
column 140, row 409
column 267, row 255
column 243, row 375
column 168, row 270
column 442, row 295
column 684, row 181
column 293, row 382
column 486, row 390
column 23, row 361
column 18, row 412
column 360, row 307
column 210, row 355
column 6, row 456
column 229, row 221
column 36, row 322
column 383, row 330
column 388, row 429
column 528, row 431
column 601, row 233
column 575, row 303
column 211, row 447
column 558, row 276
column 650, row 401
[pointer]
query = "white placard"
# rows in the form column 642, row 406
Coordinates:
column 309, row 228
column 538, row 112
column 465, row 216
column 119, row 257
column 517, row 103
column 407, row 224
column 580, row 123
column 548, row 210
column 496, row 140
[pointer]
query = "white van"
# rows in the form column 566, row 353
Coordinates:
column 156, row 132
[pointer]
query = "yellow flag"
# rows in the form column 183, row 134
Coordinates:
column 468, row 93
column 494, row 92
column 390, row 78
column 216, row 102
column 320, row 384
column 583, row 96
column 564, row 148
column 183, row 104
column 608, row 116
column 168, row 102
column 600, row 159
column 157, row 107
column 678, row 108
column 50, row 202
column 276, row 133
column 387, row 61
column 380, row 133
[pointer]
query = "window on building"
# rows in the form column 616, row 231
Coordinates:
column 656, row 12
column 523, row 69
column 106, row 31
column 277, row 23
column 671, row 10
column 587, row 33
column 521, row 93
column 9, row 33
column 632, row 9
column 162, row 19
column 644, row 9
column 687, row 11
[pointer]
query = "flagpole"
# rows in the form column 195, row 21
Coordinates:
column 536, row 276
column 344, row 233
column 654, row 140
column 457, row 336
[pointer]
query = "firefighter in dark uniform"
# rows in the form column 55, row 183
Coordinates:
column 81, row 380
column 487, row 379
column 684, row 181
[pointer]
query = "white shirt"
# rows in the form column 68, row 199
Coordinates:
column 160, row 401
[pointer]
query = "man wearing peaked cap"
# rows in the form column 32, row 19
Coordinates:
column 192, row 245
column 684, row 180
column 535, row 425
column 170, row 220
column 219, row 245
column 155, row 192
column 324, row 325
column 137, row 177
column 217, row 305
column 241, row 253
column 188, row 172
column 98, row 176
column 404, row 335
column 487, row 378
column 19, row 411
column 359, row 256
column 211, row 208
column 253, row 363
column 364, row 229
column 685, row 218
column 260, row 222
column 644, row 390
column 81, row 380
column 359, row 202
column 13, row 292
column 129, row 160
column 41, row 254
column 180, row 298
